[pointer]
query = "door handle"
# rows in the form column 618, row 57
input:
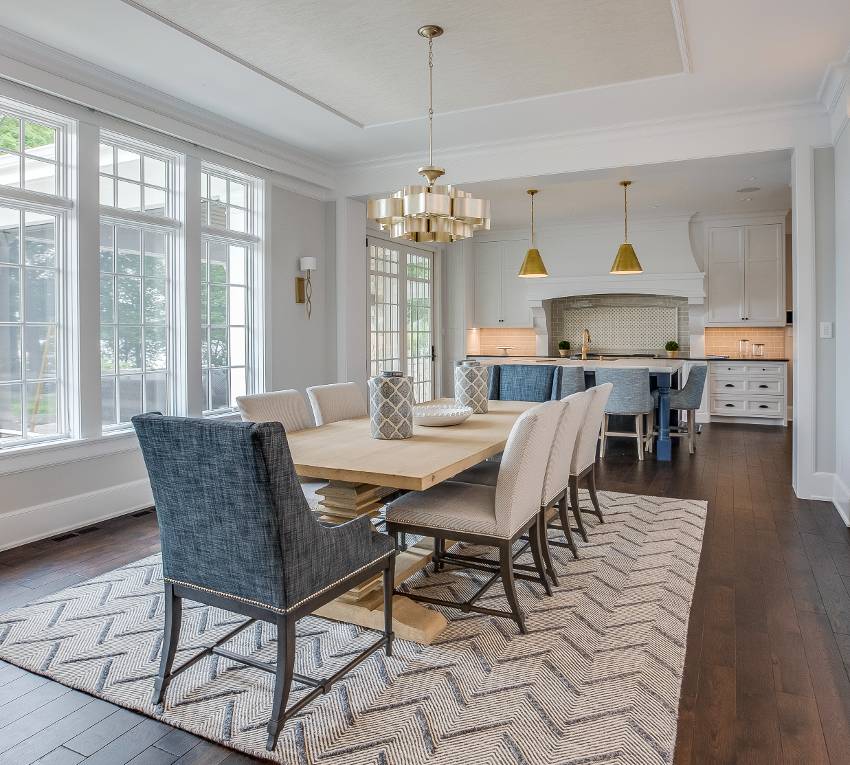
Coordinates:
column 433, row 354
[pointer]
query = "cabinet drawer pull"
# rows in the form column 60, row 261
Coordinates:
column 763, row 386
column 729, row 385
column 763, row 406
column 730, row 405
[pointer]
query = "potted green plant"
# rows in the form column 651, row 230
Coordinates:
column 564, row 347
column 672, row 349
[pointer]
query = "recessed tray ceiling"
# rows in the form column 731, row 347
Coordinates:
column 365, row 60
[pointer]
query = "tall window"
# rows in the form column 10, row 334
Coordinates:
column 33, row 378
column 228, row 211
column 401, row 314
column 136, row 273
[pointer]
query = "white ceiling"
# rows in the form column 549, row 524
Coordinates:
column 706, row 186
column 366, row 61
column 743, row 54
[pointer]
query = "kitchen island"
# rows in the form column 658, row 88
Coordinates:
column 661, row 371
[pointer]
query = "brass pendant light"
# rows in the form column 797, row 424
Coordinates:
column 532, row 266
column 626, row 261
column 429, row 213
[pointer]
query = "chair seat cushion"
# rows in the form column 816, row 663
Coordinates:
column 453, row 506
column 484, row 473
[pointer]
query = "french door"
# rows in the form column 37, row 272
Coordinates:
column 401, row 313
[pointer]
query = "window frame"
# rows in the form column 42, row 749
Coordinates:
column 172, row 225
column 63, row 209
column 254, row 279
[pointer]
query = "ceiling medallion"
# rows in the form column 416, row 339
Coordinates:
column 430, row 213
column 532, row 266
column 626, row 261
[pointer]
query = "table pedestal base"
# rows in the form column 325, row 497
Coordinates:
column 363, row 605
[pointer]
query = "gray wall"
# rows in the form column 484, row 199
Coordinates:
column 842, row 317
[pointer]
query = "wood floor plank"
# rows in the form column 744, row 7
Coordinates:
column 130, row 744
column 98, row 736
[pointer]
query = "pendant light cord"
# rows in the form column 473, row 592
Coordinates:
column 625, row 213
column 533, row 243
column 430, row 101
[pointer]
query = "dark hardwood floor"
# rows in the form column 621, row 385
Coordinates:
column 766, row 675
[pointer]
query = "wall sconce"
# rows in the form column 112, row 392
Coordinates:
column 303, row 287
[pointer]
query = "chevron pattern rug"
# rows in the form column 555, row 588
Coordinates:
column 596, row 680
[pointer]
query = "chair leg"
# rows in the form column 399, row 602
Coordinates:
column 389, row 583
column 576, row 507
column 639, row 433
column 545, row 549
column 650, row 434
column 437, row 557
column 283, row 677
column 604, row 436
column 537, row 556
column 692, row 430
column 170, row 639
column 506, row 565
column 564, row 517
column 591, row 487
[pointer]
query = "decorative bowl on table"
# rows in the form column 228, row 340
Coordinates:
column 440, row 415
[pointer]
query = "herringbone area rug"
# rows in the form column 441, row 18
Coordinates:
column 596, row 680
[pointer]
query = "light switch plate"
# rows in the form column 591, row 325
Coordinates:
column 825, row 330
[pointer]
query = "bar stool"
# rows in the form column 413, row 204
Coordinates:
column 570, row 380
column 629, row 397
column 687, row 400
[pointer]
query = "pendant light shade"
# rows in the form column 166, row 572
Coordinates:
column 626, row 261
column 532, row 265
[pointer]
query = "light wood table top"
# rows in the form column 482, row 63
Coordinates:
column 345, row 450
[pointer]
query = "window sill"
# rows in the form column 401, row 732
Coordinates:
column 36, row 456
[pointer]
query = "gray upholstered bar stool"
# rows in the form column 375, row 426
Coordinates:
column 571, row 380
column 687, row 400
column 629, row 397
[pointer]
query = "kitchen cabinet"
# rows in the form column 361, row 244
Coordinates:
column 749, row 389
column 500, row 295
column 745, row 271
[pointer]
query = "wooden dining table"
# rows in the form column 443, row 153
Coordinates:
column 363, row 471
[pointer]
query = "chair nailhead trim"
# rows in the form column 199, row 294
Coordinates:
column 266, row 605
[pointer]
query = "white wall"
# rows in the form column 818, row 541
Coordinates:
column 842, row 320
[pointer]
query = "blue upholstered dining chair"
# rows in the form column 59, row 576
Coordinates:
column 630, row 396
column 523, row 382
column 237, row 534
column 688, row 400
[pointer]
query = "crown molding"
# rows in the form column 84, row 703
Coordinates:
column 834, row 95
column 35, row 65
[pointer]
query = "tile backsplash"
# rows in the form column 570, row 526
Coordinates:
column 723, row 341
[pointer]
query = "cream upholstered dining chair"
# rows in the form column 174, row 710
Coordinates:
column 556, row 481
column 585, row 454
column 338, row 401
column 495, row 516
column 289, row 408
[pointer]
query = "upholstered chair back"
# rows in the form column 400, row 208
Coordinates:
column 288, row 407
column 523, row 466
column 523, row 382
column 561, row 455
column 630, row 394
column 571, row 380
column 690, row 396
column 588, row 438
column 338, row 401
column 232, row 517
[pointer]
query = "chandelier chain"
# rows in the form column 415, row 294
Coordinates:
column 430, row 101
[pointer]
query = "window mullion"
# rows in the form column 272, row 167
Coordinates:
column 190, row 331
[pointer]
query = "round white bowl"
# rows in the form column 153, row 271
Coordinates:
column 440, row 415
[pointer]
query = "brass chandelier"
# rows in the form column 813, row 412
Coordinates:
column 430, row 213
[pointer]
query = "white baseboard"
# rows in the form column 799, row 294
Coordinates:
column 30, row 524
column 841, row 499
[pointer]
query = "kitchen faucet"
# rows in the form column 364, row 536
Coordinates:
column 585, row 343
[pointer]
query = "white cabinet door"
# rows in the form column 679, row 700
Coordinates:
column 488, row 283
column 725, row 276
column 765, row 274
column 514, row 298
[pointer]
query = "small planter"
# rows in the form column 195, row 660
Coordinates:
column 563, row 354
column 672, row 354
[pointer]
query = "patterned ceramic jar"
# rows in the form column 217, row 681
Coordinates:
column 471, row 380
column 391, row 406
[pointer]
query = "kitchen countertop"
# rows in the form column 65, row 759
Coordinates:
column 656, row 366
column 596, row 357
